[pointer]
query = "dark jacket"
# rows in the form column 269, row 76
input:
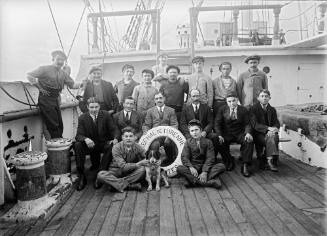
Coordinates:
column 205, row 117
column 109, row 95
column 102, row 131
column 224, row 125
column 258, row 121
column 193, row 156
column 135, row 122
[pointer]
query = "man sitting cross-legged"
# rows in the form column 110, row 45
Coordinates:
column 198, row 159
column 96, row 132
column 128, row 164
column 232, row 124
column 265, row 125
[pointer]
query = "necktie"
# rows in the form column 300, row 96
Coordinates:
column 233, row 114
column 161, row 112
column 198, row 144
column 197, row 112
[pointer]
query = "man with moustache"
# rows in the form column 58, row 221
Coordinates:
column 50, row 81
column 102, row 90
column 251, row 82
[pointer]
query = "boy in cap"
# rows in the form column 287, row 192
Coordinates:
column 50, row 80
column 200, row 81
column 251, row 82
column 143, row 94
column 101, row 89
column 124, row 88
column 198, row 159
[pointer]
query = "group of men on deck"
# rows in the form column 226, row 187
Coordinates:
column 211, row 114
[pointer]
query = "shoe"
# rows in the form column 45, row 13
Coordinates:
column 214, row 183
column 136, row 187
column 81, row 182
column 271, row 166
column 245, row 171
column 97, row 184
column 230, row 166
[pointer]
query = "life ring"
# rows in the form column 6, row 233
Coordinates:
column 166, row 131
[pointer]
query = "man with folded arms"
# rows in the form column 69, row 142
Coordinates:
column 198, row 159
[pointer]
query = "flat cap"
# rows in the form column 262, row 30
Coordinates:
column 253, row 57
column 94, row 68
column 197, row 59
column 231, row 94
column 58, row 53
column 195, row 122
column 148, row 71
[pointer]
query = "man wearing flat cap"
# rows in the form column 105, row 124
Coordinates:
column 198, row 160
column 100, row 89
column 251, row 82
column 143, row 94
column 50, row 80
column 124, row 88
column 200, row 81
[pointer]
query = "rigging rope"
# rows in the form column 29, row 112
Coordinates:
column 15, row 99
column 293, row 17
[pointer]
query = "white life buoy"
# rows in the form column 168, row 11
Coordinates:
column 165, row 131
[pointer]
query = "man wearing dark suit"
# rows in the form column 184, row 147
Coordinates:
column 161, row 115
column 102, row 90
column 96, row 133
column 198, row 159
column 201, row 112
column 129, row 117
column 232, row 124
column 265, row 125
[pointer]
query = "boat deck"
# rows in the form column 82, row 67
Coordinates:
column 290, row 202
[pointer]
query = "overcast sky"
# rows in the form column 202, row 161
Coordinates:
column 27, row 33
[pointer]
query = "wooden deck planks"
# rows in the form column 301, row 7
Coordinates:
column 167, row 219
column 208, row 214
column 181, row 218
column 225, row 219
column 152, row 221
column 126, row 214
column 139, row 217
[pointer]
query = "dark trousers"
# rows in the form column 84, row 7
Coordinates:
column 51, row 115
column 81, row 150
column 215, row 141
column 216, row 105
column 212, row 173
column 246, row 148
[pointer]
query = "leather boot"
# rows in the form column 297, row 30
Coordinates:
column 245, row 171
column 214, row 183
column 81, row 182
column 271, row 166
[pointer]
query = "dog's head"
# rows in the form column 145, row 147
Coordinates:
column 153, row 156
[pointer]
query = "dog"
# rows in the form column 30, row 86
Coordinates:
column 153, row 171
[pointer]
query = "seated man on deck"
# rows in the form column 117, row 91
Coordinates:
column 96, row 132
column 101, row 89
column 161, row 115
column 129, row 117
column 201, row 112
column 232, row 124
column 198, row 159
column 265, row 125
column 128, row 165
column 50, row 80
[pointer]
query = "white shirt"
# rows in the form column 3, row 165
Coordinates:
column 231, row 110
column 195, row 107
column 161, row 109
column 94, row 116
column 128, row 113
